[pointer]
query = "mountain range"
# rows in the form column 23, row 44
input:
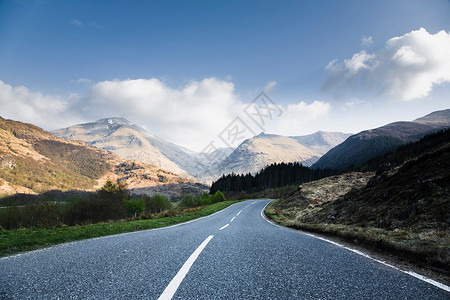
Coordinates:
column 33, row 160
column 367, row 144
column 130, row 141
column 264, row 149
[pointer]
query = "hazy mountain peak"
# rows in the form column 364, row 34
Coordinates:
column 262, row 134
column 439, row 118
column 130, row 141
column 322, row 141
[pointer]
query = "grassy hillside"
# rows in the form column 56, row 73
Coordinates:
column 371, row 143
column 428, row 143
column 355, row 150
column 404, row 210
column 32, row 160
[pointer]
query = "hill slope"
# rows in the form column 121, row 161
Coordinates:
column 130, row 141
column 367, row 144
column 33, row 160
column 255, row 153
column 322, row 141
column 404, row 210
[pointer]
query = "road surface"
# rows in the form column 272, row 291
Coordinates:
column 234, row 254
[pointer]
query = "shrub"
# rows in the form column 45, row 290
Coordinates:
column 218, row 197
column 10, row 216
column 110, row 198
column 205, row 199
column 157, row 203
column 82, row 210
column 190, row 201
column 134, row 206
column 42, row 213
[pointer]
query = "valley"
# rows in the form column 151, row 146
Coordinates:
column 393, row 198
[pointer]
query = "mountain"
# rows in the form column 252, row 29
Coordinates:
column 33, row 160
column 255, row 153
column 130, row 141
column 367, row 144
column 213, row 157
column 322, row 141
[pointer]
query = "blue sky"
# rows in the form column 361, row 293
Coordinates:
column 185, row 69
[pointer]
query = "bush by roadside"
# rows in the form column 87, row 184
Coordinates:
column 112, row 202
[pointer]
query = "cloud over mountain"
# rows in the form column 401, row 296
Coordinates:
column 406, row 68
column 178, row 114
column 191, row 115
column 22, row 104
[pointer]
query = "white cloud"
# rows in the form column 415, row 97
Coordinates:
column 302, row 117
column 84, row 81
column 359, row 61
column 190, row 115
column 19, row 103
column 408, row 67
column 270, row 86
column 76, row 22
column 366, row 41
column 228, row 77
column 354, row 103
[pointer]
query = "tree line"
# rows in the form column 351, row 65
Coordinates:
column 112, row 202
column 274, row 176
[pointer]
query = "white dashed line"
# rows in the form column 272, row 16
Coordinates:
column 232, row 219
column 223, row 227
column 176, row 281
column 238, row 213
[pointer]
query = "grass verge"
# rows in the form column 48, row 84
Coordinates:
column 27, row 239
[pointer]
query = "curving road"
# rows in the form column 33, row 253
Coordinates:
column 234, row 254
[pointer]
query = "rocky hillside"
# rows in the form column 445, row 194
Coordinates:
column 370, row 143
column 33, row 160
column 403, row 210
column 130, row 141
column 255, row 153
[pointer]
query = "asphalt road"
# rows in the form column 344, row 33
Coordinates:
column 234, row 254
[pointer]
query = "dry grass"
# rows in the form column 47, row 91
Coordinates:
column 393, row 214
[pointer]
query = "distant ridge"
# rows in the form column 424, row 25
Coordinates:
column 257, row 152
column 370, row 143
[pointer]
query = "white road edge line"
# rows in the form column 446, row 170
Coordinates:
column 232, row 219
column 176, row 281
column 410, row 273
column 223, row 227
